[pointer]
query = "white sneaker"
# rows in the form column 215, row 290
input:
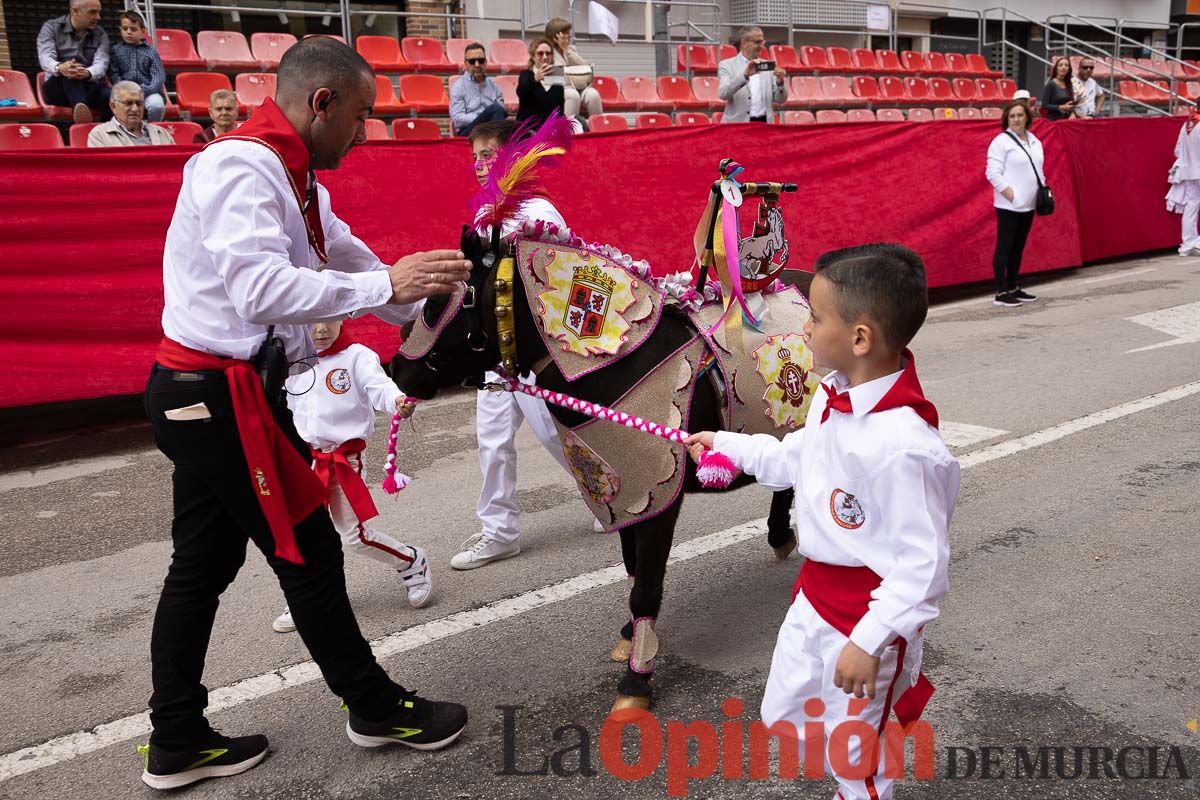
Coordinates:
column 283, row 623
column 417, row 579
column 480, row 550
column 1195, row 251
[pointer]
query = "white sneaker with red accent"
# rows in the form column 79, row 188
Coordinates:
column 417, row 579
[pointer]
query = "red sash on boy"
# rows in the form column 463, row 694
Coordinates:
column 840, row 594
column 286, row 488
column 335, row 465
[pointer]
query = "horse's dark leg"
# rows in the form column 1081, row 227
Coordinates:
column 624, row 645
column 645, row 599
column 780, row 535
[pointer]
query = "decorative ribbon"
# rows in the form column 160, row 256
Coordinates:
column 335, row 465
column 394, row 481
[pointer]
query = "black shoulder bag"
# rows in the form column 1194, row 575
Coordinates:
column 1044, row 205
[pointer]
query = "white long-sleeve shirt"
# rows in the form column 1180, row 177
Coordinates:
column 874, row 489
column 1008, row 166
column 1187, row 153
column 336, row 401
column 238, row 259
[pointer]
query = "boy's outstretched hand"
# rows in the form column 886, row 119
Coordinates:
column 855, row 671
column 697, row 443
column 405, row 408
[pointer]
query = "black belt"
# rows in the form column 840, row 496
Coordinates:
column 763, row 118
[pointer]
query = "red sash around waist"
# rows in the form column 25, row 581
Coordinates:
column 285, row 485
column 840, row 596
column 336, row 465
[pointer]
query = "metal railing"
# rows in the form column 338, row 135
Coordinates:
column 977, row 39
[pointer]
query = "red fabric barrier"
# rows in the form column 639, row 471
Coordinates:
column 81, row 233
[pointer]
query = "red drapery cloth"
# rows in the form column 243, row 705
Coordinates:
column 81, row 232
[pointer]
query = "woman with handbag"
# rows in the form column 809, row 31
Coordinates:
column 1015, row 163
column 579, row 91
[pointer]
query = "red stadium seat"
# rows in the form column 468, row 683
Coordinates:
column 341, row 39
column 937, row 64
column 386, row 101
column 979, row 66
column 798, row 118
column 889, row 115
column 814, row 58
column 254, row 87
column 986, row 91
column 705, row 88
column 600, row 123
column 640, row 90
column 676, row 91
column 866, row 61
column 895, row 91
column 268, row 48
column 860, row 115
column 726, row 51
column 695, row 57
column 888, row 61
column 29, row 136
column 176, row 50
column 808, row 92
column 181, row 132
column 77, row 135
column 964, row 90
column 377, row 129
column 425, row 94
column 1007, row 87
column 914, row 62
column 415, row 129
column 969, row 113
column 15, row 85
column 610, row 94
column 918, row 91
column 991, row 112
column 786, row 59
column 841, row 61
column 508, row 88
column 655, row 119
column 718, row 117
column 837, row 88
column 1131, row 89
column 687, row 118
column 867, row 88
column 939, row 89
column 920, row 115
column 193, row 89
column 226, row 50
column 382, row 53
column 456, row 54
column 831, row 115
column 509, row 55
column 1158, row 94
column 425, row 54
column 957, row 64
column 943, row 114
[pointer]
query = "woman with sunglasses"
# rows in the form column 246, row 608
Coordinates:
column 475, row 98
column 539, row 90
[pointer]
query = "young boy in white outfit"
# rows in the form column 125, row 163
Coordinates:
column 334, row 407
column 875, row 489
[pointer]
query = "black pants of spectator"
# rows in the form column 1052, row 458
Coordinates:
column 60, row 91
column 1012, row 229
column 215, row 513
column 493, row 113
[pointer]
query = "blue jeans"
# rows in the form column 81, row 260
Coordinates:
column 493, row 113
column 156, row 107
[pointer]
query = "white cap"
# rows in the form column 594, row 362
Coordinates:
column 1022, row 94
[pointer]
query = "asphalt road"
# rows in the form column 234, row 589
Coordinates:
column 1072, row 619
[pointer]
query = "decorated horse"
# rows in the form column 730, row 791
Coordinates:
column 620, row 354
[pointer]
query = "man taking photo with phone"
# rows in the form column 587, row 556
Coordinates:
column 749, row 84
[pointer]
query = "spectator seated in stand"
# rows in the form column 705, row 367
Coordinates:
column 223, row 111
column 135, row 59
column 73, row 52
column 127, row 128
column 539, row 93
column 475, row 98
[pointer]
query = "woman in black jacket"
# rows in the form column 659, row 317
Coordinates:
column 536, row 97
column 1058, row 95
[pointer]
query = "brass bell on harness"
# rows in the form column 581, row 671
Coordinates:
column 501, row 312
column 501, row 285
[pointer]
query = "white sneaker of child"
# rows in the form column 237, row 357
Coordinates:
column 284, row 623
column 417, row 579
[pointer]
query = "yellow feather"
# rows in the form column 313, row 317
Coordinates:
column 526, row 163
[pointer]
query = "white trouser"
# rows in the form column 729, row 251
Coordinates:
column 362, row 538
column 802, row 668
column 589, row 99
column 1191, row 209
column 498, row 416
column 156, row 109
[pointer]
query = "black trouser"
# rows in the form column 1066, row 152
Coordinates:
column 1012, row 229
column 60, row 91
column 493, row 113
column 216, row 511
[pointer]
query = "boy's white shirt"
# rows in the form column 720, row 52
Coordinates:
column 905, row 481
column 347, row 388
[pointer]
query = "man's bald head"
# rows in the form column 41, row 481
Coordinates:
column 319, row 62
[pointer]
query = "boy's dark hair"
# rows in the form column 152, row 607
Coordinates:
column 498, row 131
column 884, row 283
column 132, row 16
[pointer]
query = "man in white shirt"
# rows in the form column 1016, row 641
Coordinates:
column 253, row 255
column 1089, row 100
column 748, row 92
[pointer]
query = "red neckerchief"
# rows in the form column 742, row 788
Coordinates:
column 343, row 340
column 285, row 486
column 906, row 391
column 269, row 127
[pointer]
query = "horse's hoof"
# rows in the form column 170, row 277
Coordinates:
column 784, row 550
column 625, row 701
column 621, row 650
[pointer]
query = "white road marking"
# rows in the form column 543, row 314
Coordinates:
column 1181, row 322
column 33, row 478
column 960, row 434
column 64, row 748
column 46, row 514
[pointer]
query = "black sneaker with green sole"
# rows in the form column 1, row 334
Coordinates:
column 417, row 723
column 215, row 756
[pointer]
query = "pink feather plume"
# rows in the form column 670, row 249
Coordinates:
column 514, row 178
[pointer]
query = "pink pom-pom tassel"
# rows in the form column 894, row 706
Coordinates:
column 715, row 471
column 393, row 480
